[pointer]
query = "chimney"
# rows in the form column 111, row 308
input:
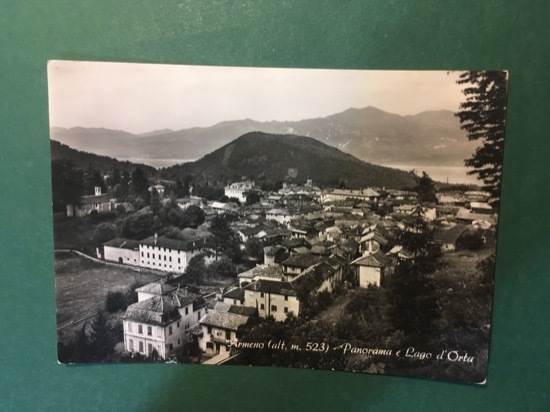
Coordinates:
column 97, row 190
column 156, row 236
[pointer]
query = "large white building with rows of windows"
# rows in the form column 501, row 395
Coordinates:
column 239, row 190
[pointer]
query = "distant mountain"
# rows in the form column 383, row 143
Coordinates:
column 270, row 158
column 84, row 160
column 428, row 138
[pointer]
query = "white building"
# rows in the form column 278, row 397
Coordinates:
column 153, row 325
column 372, row 268
column 161, row 320
column 283, row 216
column 367, row 194
column 173, row 255
column 121, row 250
column 239, row 190
column 272, row 298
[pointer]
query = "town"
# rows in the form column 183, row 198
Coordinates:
column 225, row 267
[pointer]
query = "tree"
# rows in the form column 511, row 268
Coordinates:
column 93, row 179
column 140, row 184
column 417, row 236
column 101, row 339
column 222, row 268
column 483, row 115
column 196, row 269
column 140, row 225
column 426, row 189
column 252, row 197
column 194, row 216
column 254, row 248
column 104, row 232
column 225, row 238
column 67, row 184
column 155, row 201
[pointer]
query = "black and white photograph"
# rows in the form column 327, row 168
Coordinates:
column 339, row 220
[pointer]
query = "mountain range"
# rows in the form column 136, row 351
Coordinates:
column 373, row 135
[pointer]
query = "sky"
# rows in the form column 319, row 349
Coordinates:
column 140, row 98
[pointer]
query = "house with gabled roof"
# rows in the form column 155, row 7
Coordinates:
column 275, row 298
column 152, row 326
column 298, row 263
column 100, row 202
column 372, row 268
column 218, row 332
column 274, row 255
column 234, row 297
column 162, row 319
column 260, row 272
column 120, row 250
column 373, row 242
column 281, row 215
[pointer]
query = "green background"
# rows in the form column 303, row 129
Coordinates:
column 512, row 35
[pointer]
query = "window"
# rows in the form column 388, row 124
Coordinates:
column 169, row 330
column 149, row 331
column 286, row 297
column 178, row 324
column 141, row 254
column 170, row 258
column 153, row 255
column 131, row 345
column 261, row 294
column 179, row 341
column 187, row 311
column 140, row 329
column 164, row 257
column 228, row 334
column 179, row 260
column 199, row 315
column 141, row 346
column 147, row 255
column 262, row 306
column 273, row 308
column 149, row 348
column 130, row 327
column 209, row 329
column 286, row 309
column 209, row 345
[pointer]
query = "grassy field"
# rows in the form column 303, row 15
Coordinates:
column 82, row 285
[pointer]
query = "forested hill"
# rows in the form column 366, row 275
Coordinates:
column 85, row 160
column 270, row 158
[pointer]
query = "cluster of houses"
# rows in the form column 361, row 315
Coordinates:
column 313, row 241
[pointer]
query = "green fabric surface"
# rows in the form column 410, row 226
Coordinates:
column 387, row 34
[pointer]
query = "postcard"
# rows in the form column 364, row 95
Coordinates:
column 339, row 220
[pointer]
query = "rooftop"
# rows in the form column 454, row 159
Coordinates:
column 122, row 243
column 303, row 260
column 158, row 310
column 174, row 244
column 276, row 287
column 224, row 320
